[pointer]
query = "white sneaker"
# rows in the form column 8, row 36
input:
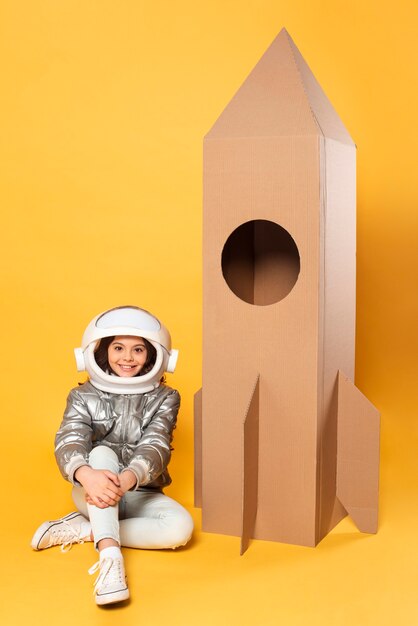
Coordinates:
column 73, row 528
column 111, row 584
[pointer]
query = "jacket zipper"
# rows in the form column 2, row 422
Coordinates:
column 126, row 408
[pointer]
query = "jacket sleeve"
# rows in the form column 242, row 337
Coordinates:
column 74, row 437
column 153, row 452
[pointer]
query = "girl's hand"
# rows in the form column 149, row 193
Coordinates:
column 102, row 487
column 127, row 480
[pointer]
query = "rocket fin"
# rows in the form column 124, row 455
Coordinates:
column 250, row 468
column 198, row 448
column 357, row 455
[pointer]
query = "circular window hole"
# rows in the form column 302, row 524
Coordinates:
column 260, row 262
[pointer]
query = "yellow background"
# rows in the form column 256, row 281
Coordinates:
column 104, row 105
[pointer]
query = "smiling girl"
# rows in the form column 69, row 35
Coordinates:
column 114, row 445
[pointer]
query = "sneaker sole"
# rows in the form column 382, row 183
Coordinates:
column 112, row 597
column 38, row 536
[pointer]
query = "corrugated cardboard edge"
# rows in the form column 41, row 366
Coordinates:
column 337, row 313
column 198, row 448
column 358, row 444
column 250, row 468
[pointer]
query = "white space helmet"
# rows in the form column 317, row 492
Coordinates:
column 126, row 320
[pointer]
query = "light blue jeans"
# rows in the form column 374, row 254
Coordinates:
column 141, row 519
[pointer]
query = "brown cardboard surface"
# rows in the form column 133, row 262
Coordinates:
column 278, row 298
column 280, row 97
column 250, row 468
column 279, row 341
column 198, row 448
column 358, row 455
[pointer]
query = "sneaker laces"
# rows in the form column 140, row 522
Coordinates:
column 110, row 573
column 66, row 535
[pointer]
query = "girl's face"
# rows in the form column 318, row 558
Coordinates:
column 127, row 355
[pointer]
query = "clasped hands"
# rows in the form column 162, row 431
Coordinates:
column 104, row 488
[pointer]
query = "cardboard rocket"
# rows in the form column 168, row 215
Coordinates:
column 286, row 445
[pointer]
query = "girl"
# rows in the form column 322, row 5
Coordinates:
column 113, row 445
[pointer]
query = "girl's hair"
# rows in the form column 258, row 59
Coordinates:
column 100, row 355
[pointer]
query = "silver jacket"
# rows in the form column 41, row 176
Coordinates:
column 138, row 427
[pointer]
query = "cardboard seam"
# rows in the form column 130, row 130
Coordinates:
column 322, row 188
column 198, row 447
column 251, row 396
column 270, row 136
column 307, row 97
column 303, row 87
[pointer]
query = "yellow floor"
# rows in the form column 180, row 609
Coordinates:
column 349, row 578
